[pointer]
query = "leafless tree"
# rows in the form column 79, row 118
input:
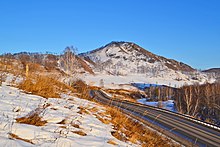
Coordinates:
column 68, row 61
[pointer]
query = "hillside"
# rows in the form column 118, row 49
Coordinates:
column 135, row 56
column 214, row 72
column 40, row 109
column 129, row 60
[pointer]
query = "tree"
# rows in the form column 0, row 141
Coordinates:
column 50, row 61
column 68, row 61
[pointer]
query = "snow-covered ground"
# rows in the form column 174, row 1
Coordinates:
column 125, row 62
column 114, row 82
column 169, row 105
column 15, row 104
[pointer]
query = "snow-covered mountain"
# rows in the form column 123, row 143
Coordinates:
column 126, row 58
column 213, row 72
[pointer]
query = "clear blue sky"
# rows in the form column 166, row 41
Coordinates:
column 185, row 30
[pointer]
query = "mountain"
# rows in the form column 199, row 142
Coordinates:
column 214, row 72
column 131, row 52
column 127, row 58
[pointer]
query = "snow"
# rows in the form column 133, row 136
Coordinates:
column 117, row 82
column 15, row 104
column 119, row 63
column 168, row 105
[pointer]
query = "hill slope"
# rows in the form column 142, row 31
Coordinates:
column 126, row 58
column 127, row 52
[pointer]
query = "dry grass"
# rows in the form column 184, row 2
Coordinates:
column 14, row 136
column 100, row 115
column 124, row 94
column 1, row 78
column 102, row 119
column 76, row 126
column 63, row 127
column 82, row 89
column 81, row 133
column 44, row 86
column 127, row 129
column 82, row 110
column 33, row 119
column 12, row 66
column 112, row 142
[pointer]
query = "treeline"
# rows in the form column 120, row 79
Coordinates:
column 47, row 60
column 160, row 92
column 200, row 101
column 67, row 60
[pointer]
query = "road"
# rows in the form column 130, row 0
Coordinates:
column 180, row 128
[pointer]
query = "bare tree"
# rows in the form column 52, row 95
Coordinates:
column 197, row 99
column 68, row 61
column 188, row 99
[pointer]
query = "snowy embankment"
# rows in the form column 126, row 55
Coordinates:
column 123, row 82
column 70, row 121
column 169, row 105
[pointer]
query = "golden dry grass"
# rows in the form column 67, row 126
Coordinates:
column 112, row 142
column 14, row 136
column 123, row 94
column 127, row 129
column 44, row 86
column 33, row 119
column 12, row 66
column 81, row 133
column 102, row 119
column 82, row 110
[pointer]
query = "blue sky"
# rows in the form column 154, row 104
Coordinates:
column 184, row 30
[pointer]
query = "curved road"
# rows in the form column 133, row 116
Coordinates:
column 176, row 126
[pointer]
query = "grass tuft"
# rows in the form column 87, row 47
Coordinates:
column 112, row 142
column 81, row 133
column 33, row 119
column 14, row 136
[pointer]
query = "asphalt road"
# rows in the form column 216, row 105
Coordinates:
column 176, row 126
